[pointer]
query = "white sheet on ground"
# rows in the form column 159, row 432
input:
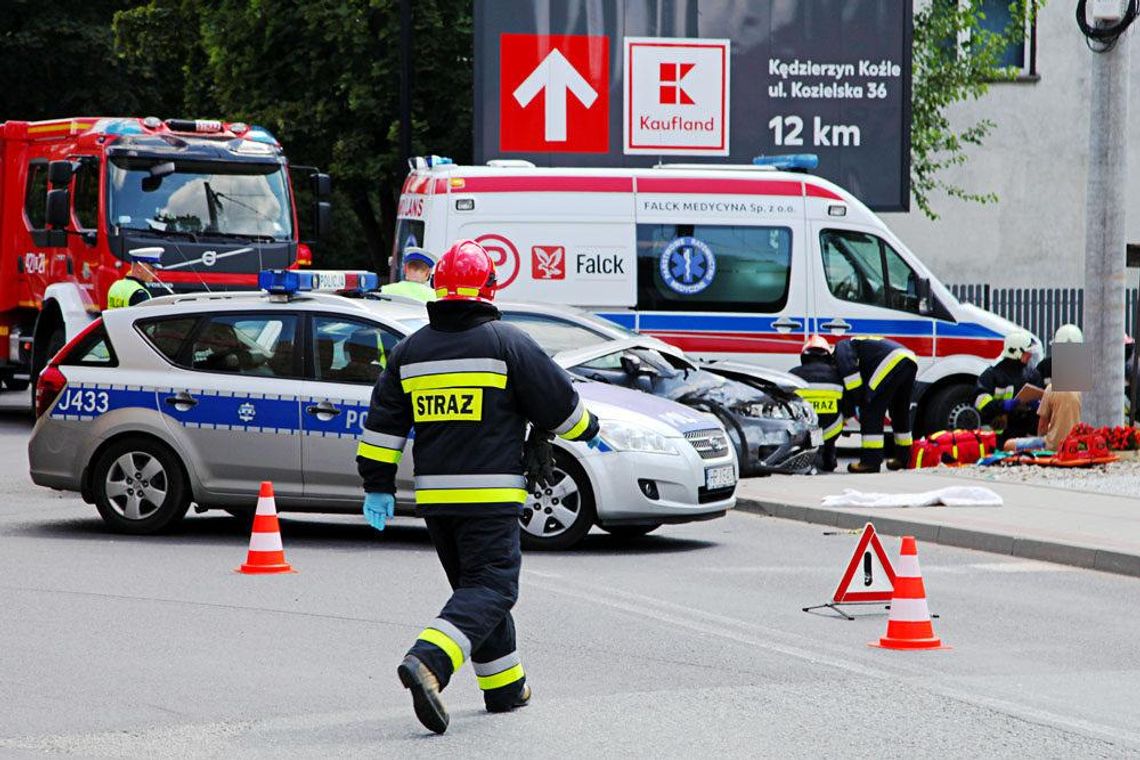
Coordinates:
column 954, row 496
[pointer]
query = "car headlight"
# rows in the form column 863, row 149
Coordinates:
column 623, row 436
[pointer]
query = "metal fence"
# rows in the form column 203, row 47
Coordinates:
column 1039, row 310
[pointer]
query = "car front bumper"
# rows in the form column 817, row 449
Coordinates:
column 678, row 480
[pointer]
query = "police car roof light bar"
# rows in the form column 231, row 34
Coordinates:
column 289, row 282
column 801, row 162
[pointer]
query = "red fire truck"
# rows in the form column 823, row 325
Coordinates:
column 78, row 195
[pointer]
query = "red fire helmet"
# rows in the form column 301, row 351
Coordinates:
column 465, row 272
column 816, row 344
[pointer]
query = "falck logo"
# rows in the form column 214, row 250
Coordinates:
column 548, row 262
column 246, row 412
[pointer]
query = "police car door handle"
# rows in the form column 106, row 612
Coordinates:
column 322, row 408
column 785, row 325
column 836, row 324
column 183, row 399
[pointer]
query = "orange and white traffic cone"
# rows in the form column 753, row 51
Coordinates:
column 909, row 626
column 266, row 553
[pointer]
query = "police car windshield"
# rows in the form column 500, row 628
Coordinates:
column 413, row 323
column 200, row 198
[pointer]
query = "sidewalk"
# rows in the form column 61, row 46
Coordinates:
column 1055, row 525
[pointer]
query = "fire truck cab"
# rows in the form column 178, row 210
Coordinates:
column 726, row 262
column 78, row 195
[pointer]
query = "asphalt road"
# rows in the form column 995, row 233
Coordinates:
column 690, row 643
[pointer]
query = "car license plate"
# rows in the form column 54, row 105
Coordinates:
column 816, row 437
column 720, row 477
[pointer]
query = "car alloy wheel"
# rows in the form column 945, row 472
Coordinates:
column 558, row 516
column 136, row 485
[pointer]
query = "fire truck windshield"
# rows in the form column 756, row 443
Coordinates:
column 200, row 198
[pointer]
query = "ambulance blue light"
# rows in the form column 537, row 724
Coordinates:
column 427, row 162
column 790, row 162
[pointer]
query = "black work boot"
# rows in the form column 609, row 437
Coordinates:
column 522, row 700
column 862, row 467
column 894, row 463
column 418, row 679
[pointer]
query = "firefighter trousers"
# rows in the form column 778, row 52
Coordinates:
column 892, row 398
column 482, row 559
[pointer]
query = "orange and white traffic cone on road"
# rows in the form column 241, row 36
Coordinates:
column 266, row 552
column 909, row 626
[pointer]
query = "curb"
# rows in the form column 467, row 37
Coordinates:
column 1059, row 552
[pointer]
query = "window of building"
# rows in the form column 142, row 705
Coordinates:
column 698, row 267
column 996, row 17
column 862, row 268
column 350, row 351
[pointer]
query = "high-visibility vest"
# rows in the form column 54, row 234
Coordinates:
column 409, row 289
column 123, row 291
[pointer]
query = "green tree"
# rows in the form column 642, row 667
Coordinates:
column 59, row 61
column 956, row 58
column 324, row 78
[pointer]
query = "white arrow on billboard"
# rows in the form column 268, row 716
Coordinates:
column 559, row 78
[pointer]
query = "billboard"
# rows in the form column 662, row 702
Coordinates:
column 635, row 82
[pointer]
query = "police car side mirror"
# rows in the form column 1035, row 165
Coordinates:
column 58, row 208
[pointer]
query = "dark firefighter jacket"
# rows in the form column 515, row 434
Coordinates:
column 1001, row 382
column 864, row 363
column 824, row 393
column 468, row 384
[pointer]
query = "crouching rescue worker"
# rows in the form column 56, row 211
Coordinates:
column 878, row 377
column 468, row 384
column 825, row 394
column 999, row 385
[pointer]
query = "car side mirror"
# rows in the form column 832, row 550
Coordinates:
column 59, row 173
column 631, row 365
column 322, row 225
column 58, row 208
column 923, row 291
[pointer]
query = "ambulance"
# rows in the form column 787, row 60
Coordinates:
column 730, row 262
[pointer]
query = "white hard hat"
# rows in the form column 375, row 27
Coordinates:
column 1016, row 344
column 1068, row 334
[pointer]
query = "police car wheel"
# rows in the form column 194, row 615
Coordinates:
column 139, row 487
column 559, row 516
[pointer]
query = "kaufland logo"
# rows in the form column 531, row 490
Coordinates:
column 676, row 96
column 672, row 88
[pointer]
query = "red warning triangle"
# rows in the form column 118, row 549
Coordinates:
column 869, row 576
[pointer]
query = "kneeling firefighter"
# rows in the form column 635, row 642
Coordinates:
column 999, row 384
column 825, row 394
column 468, row 384
column 878, row 377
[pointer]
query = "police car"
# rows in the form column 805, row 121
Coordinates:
column 197, row 398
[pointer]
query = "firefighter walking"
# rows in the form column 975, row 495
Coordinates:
column 468, row 384
column 824, row 392
column 878, row 377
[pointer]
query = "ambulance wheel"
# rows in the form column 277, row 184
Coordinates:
column 952, row 408
column 561, row 515
column 626, row 532
column 139, row 486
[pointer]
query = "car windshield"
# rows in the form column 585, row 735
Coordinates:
column 650, row 370
column 413, row 323
column 206, row 198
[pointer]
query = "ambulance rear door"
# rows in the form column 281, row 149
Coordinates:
column 720, row 267
column 862, row 286
column 562, row 239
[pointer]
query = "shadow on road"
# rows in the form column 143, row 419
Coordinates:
column 331, row 533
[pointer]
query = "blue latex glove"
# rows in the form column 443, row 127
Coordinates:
column 1009, row 405
column 378, row 507
column 595, row 442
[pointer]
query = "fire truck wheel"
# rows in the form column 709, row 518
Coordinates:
column 139, row 486
column 55, row 342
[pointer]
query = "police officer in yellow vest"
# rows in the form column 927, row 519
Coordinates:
column 132, row 290
column 418, row 264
